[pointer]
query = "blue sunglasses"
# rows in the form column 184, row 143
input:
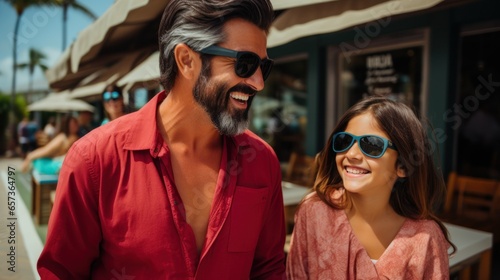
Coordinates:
column 107, row 96
column 371, row 145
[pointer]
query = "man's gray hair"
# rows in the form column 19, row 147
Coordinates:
column 199, row 24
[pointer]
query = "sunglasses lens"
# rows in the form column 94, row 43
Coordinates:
column 107, row 96
column 266, row 67
column 342, row 142
column 246, row 64
column 372, row 145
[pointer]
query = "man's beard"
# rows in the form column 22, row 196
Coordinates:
column 214, row 99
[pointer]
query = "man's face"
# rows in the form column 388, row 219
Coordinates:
column 214, row 97
column 225, row 96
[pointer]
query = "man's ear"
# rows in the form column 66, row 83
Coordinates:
column 187, row 61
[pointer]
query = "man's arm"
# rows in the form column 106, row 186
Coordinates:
column 74, row 231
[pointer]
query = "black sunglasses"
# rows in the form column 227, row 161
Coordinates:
column 246, row 62
column 371, row 145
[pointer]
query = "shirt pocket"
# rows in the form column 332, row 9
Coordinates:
column 246, row 216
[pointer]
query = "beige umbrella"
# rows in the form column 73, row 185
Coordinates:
column 60, row 102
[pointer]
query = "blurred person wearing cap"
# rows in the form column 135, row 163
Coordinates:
column 179, row 189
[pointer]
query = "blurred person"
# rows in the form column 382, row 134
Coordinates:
column 114, row 107
column 50, row 128
column 84, row 122
column 179, row 189
column 48, row 159
column 23, row 136
column 372, row 213
column 26, row 131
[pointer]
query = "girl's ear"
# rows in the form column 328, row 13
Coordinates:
column 186, row 60
column 400, row 171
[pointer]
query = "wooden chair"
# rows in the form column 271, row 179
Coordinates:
column 41, row 187
column 473, row 202
column 301, row 170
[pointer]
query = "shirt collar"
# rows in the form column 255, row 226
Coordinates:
column 143, row 131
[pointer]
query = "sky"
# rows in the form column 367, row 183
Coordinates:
column 40, row 28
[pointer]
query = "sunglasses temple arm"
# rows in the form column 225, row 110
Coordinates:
column 219, row 51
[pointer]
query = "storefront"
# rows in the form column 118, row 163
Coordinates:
column 442, row 61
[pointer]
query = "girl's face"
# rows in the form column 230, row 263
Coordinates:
column 363, row 174
column 114, row 107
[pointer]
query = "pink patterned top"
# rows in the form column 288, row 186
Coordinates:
column 323, row 246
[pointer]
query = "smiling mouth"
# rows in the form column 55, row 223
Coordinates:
column 240, row 97
column 352, row 170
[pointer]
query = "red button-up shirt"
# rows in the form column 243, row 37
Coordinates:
column 118, row 215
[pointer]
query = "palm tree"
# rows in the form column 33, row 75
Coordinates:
column 35, row 60
column 20, row 6
column 66, row 4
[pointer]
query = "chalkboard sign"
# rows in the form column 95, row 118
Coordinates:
column 393, row 73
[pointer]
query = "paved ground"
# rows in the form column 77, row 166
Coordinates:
column 20, row 262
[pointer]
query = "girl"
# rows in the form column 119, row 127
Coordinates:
column 113, row 103
column 371, row 215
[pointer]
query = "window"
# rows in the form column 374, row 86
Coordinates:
column 477, row 117
column 279, row 112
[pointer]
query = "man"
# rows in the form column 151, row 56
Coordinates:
column 27, row 130
column 84, row 122
column 179, row 189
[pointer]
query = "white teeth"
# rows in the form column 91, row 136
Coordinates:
column 242, row 97
column 355, row 171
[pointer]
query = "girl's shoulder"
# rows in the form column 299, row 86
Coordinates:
column 314, row 198
column 424, row 227
column 312, row 204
